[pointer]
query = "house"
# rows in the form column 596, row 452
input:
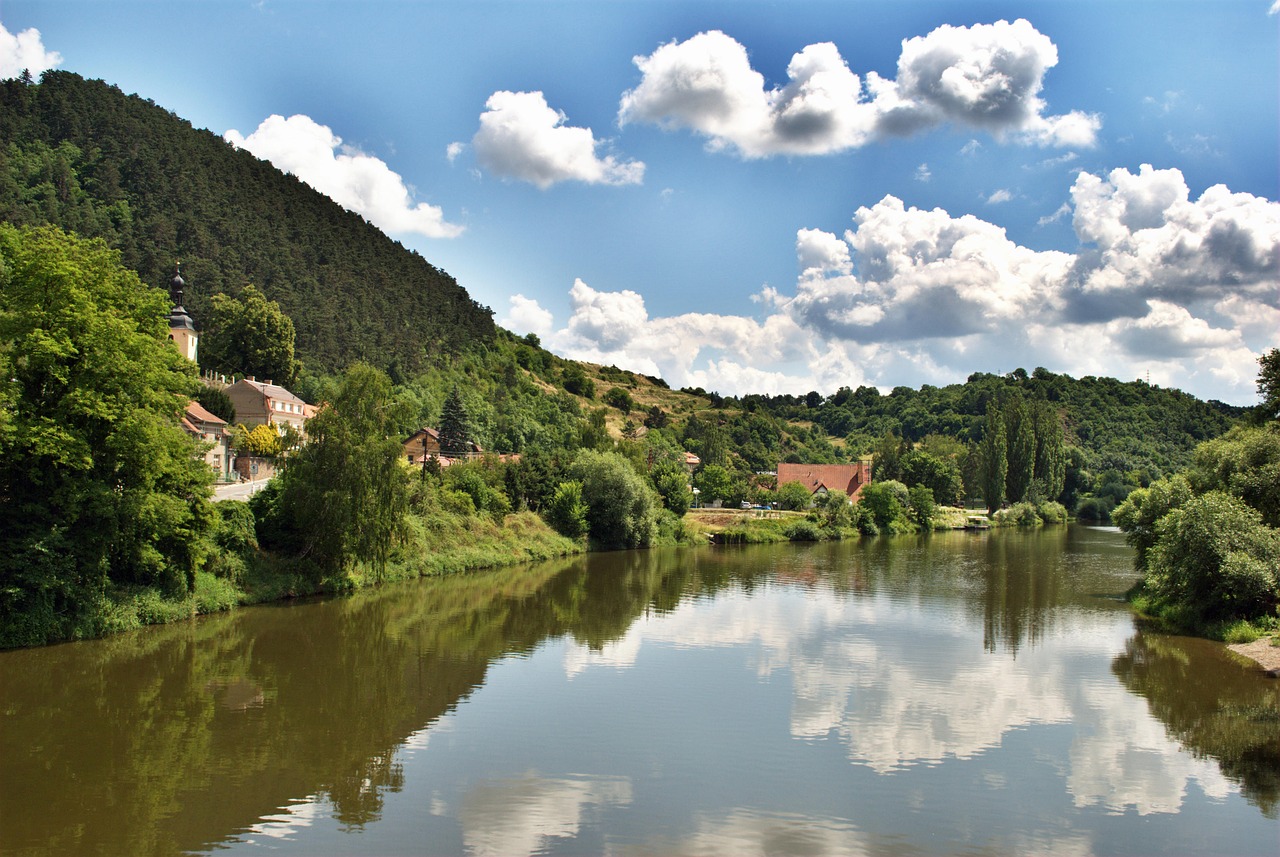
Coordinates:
column 264, row 403
column 207, row 428
column 425, row 443
column 820, row 479
column 691, row 463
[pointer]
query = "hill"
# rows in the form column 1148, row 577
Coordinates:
column 82, row 155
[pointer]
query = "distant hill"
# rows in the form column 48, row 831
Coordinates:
column 84, row 156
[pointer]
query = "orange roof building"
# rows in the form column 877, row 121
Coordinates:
column 824, row 478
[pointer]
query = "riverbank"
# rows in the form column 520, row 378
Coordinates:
column 1263, row 651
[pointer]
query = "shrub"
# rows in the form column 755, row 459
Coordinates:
column 1095, row 510
column 1216, row 557
column 1052, row 512
column 803, row 531
column 620, row 399
column 1017, row 515
column 565, row 512
column 621, row 506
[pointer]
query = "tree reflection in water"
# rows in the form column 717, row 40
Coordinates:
column 1232, row 718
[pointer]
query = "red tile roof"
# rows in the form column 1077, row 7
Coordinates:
column 848, row 478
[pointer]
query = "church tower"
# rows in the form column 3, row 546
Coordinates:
column 182, row 330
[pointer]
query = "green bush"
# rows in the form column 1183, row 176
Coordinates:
column 1017, row 515
column 621, row 505
column 1215, row 557
column 803, row 531
column 566, row 512
column 1094, row 510
column 1052, row 512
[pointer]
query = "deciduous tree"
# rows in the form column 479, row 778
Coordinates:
column 344, row 493
column 98, row 483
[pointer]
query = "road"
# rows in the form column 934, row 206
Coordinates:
column 238, row 490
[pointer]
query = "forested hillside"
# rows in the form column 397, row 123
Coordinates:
column 82, row 155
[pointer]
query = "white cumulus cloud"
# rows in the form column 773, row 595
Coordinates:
column 1184, row 291
column 522, row 137
column 987, row 77
column 359, row 182
column 527, row 316
column 25, row 50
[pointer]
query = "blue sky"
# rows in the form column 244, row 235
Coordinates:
column 770, row 197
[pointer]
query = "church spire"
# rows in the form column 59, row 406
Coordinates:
column 182, row 330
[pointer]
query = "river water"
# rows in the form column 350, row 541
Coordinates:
column 953, row 694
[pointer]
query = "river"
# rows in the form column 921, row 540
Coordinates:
column 957, row 693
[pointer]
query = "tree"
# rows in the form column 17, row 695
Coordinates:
column 1049, row 467
column 621, row 506
column 941, row 477
column 656, row 418
column 793, row 496
column 1216, row 559
column 455, row 425
column 887, row 503
column 1138, row 515
column 577, row 382
column 216, row 402
column 1244, row 462
column 98, row 483
column 261, row 440
column 995, row 461
column 887, row 460
column 1269, row 384
column 923, row 507
column 249, row 336
column 566, row 513
column 1021, row 463
column 671, row 481
column 344, row 493
column 718, row 483
column 620, row 399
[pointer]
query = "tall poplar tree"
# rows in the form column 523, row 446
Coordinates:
column 1022, row 450
column 1050, row 470
column 995, row 461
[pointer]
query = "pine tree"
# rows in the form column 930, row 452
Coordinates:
column 455, row 426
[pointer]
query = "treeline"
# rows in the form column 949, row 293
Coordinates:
column 82, row 155
column 1207, row 539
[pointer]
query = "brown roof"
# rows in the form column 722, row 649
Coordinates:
column 197, row 412
column 848, row 478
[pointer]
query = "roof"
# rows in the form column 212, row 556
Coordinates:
column 834, row 477
column 197, row 411
column 273, row 391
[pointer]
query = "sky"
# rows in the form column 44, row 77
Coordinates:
column 770, row 197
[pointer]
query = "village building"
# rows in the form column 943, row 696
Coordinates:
column 425, row 443
column 821, row 479
column 212, row 430
column 265, row 403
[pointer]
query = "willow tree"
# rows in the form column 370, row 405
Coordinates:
column 344, row 493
